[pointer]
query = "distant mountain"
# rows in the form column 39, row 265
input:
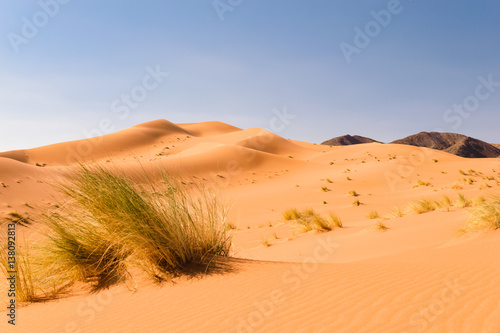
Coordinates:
column 346, row 140
column 496, row 145
column 452, row 143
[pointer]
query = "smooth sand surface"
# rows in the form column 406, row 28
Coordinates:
column 420, row 275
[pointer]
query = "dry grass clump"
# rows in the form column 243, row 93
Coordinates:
column 353, row 193
column 485, row 215
column 39, row 277
column 337, row 222
column 444, row 203
column 373, row 215
column 421, row 206
column 395, row 212
column 291, row 214
column 381, row 226
column 462, row 201
column 308, row 220
column 421, row 183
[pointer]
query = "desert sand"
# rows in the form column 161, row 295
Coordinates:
column 419, row 275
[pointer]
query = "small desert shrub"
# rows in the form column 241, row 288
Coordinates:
column 325, row 189
column 265, row 242
column 356, row 203
column 421, row 206
column 348, row 178
column 308, row 220
column 328, row 180
column 421, row 183
column 336, row 220
column 485, row 215
column 381, row 226
column 462, row 201
column 353, row 193
column 373, row 214
column 396, row 212
column 445, row 203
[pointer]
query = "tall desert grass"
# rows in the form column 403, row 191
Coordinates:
column 113, row 220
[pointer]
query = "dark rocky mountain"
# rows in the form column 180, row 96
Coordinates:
column 346, row 140
column 452, row 143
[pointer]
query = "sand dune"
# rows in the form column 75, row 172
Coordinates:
column 417, row 276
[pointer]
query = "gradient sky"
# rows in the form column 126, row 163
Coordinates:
column 247, row 60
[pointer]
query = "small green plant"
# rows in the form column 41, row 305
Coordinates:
column 373, row 215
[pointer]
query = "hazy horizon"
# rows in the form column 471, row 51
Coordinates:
column 380, row 69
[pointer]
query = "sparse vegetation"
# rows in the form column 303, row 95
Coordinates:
column 381, row 226
column 353, row 193
column 396, row 212
column 445, row 203
column 308, row 220
column 421, row 206
column 291, row 214
column 462, row 201
column 356, row 203
column 485, row 215
column 337, row 222
column 325, row 189
column 373, row 215
column 328, row 180
column 421, row 183
column 265, row 242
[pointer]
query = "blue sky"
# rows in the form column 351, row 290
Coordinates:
column 242, row 61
